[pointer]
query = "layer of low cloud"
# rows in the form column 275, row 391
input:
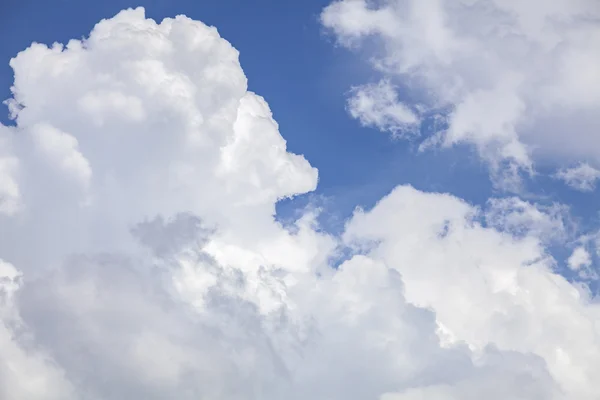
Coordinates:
column 520, row 78
column 141, row 257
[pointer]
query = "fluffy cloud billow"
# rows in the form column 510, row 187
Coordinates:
column 141, row 258
column 520, row 78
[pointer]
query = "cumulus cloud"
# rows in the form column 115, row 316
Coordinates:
column 485, row 286
column 580, row 261
column 579, row 258
column 582, row 177
column 144, row 260
column 377, row 105
column 518, row 77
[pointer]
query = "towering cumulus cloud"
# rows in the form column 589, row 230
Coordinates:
column 141, row 258
column 517, row 79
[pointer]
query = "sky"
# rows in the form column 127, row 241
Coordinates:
column 301, row 73
column 334, row 199
column 305, row 76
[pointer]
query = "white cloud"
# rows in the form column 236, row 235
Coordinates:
column 62, row 150
column 579, row 258
column 485, row 286
column 175, row 281
column 519, row 218
column 582, row 177
column 377, row 105
column 10, row 195
column 580, row 261
column 24, row 374
column 518, row 76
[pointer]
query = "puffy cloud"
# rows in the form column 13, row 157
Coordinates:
column 144, row 260
column 378, row 106
column 485, row 286
column 517, row 77
column 579, row 258
column 582, row 177
column 580, row 261
column 159, row 122
column 61, row 149
column 115, row 134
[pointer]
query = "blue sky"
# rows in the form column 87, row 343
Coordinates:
column 292, row 61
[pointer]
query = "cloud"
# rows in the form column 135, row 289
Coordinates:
column 9, row 189
column 580, row 261
column 582, row 177
column 61, row 149
column 25, row 372
column 378, row 106
column 521, row 218
column 172, row 279
column 515, row 76
column 485, row 286
column 579, row 258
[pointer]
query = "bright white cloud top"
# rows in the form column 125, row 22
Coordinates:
column 521, row 78
column 142, row 260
